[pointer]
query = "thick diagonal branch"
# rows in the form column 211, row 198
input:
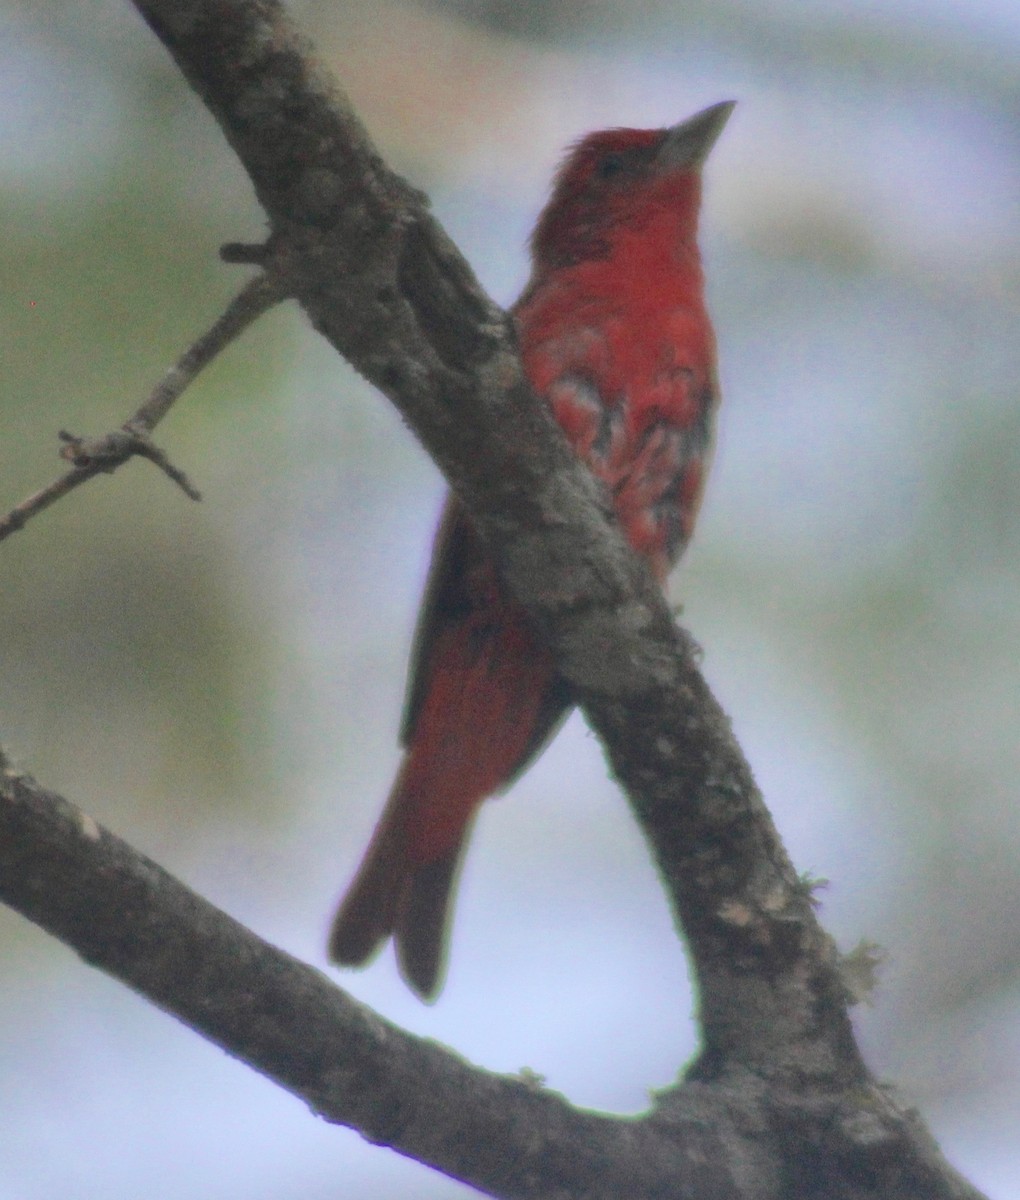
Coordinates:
column 378, row 277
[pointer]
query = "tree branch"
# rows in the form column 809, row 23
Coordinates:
column 126, row 915
column 779, row 1102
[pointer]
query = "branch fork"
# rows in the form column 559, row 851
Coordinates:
column 108, row 452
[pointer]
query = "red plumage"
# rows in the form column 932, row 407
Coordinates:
column 615, row 337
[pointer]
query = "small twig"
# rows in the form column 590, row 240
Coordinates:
column 254, row 254
column 153, row 453
column 46, row 496
column 256, row 297
column 102, row 455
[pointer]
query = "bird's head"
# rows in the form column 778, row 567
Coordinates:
column 623, row 176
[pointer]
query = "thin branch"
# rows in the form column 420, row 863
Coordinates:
column 96, row 456
column 32, row 505
column 256, row 297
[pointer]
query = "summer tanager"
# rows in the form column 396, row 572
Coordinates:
column 615, row 338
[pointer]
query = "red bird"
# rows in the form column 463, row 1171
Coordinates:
column 614, row 336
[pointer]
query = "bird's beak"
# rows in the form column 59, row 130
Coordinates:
column 688, row 144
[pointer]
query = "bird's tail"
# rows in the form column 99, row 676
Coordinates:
column 396, row 894
column 492, row 700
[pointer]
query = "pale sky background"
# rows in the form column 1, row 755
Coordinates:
column 221, row 683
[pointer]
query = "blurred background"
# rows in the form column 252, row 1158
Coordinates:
column 221, row 683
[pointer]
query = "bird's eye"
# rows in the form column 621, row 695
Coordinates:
column 610, row 165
